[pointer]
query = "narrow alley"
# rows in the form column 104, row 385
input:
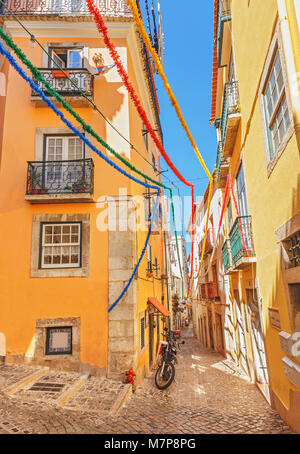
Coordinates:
column 209, row 396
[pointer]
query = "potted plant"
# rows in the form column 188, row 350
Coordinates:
column 35, row 182
column 80, row 186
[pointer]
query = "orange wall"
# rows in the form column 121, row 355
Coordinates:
column 25, row 299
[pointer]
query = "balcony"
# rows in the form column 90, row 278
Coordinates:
column 209, row 291
column 60, row 181
column 36, row 8
column 226, row 256
column 240, row 254
column 237, row 254
column 222, row 166
column 81, row 81
column 223, row 31
column 231, row 117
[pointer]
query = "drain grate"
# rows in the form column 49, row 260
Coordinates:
column 42, row 386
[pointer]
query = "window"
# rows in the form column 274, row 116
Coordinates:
column 231, row 70
column 60, row 245
column 59, row 340
column 149, row 259
column 145, row 136
column 142, row 334
column 156, row 267
column 229, row 215
column 153, row 162
column 66, row 58
column 276, row 112
column 241, row 192
column 63, row 148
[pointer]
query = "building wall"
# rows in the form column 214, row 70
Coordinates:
column 26, row 299
column 272, row 193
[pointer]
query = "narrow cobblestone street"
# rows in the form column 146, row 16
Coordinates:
column 209, row 396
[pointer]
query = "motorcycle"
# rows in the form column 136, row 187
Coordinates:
column 165, row 373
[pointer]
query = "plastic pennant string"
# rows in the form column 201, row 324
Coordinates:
column 124, row 76
column 39, row 76
column 15, row 65
column 175, row 104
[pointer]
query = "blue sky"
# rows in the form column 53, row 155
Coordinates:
column 188, row 38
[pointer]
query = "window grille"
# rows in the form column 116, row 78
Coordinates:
column 60, row 245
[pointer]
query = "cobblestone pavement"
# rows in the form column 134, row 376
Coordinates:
column 209, row 396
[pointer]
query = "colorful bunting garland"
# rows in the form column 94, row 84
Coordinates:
column 124, row 76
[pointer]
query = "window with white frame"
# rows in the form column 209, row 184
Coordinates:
column 241, row 191
column 149, row 259
column 229, row 214
column 57, row 150
column 277, row 117
column 63, row 148
column 60, row 245
column 66, row 58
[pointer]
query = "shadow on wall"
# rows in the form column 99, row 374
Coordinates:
column 108, row 98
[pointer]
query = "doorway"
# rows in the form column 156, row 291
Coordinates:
column 241, row 344
column 210, row 327
column 219, row 332
column 258, row 345
column 151, row 338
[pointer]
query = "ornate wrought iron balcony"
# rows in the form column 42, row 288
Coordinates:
column 224, row 15
column 242, row 223
column 230, row 119
column 71, row 178
column 109, row 8
column 81, row 80
column 209, row 291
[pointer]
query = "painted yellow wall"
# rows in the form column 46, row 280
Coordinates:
column 274, row 199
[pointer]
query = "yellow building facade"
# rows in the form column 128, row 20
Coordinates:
column 73, row 228
column 256, row 110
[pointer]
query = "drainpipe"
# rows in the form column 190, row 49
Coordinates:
column 291, row 65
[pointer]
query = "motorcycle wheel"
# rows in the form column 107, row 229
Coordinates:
column 168, row 376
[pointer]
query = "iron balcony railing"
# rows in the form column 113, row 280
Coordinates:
column 226, row 255
column 81, row 81
column 220, row 160
column 294, row 249
column 209, row 291
column 238, row 247
column 60, row 177
column 224, row 15
column 110, row 8
column 231, row 105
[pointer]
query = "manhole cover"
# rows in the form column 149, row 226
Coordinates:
column 53, row 387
